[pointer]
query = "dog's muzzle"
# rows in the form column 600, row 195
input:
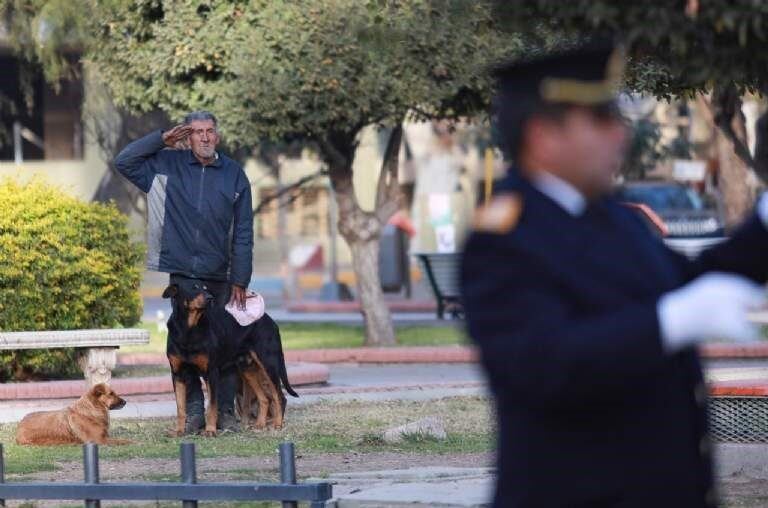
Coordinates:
column 118, row 405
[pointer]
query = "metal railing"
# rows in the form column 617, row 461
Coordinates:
column 188, row 490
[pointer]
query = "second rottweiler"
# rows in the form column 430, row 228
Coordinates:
column 203, row 340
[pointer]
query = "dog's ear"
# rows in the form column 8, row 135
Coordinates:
column 99, row 389
column 171, row 291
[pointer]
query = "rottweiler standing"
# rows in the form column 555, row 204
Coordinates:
column 204, row 340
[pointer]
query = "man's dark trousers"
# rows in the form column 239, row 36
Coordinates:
column 221, row 292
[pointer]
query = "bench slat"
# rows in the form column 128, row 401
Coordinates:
column 114, row 337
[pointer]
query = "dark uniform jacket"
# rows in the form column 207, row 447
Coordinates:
column 200, row 217
column 591, row 410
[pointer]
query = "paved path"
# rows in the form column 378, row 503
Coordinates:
column 425, row 486
column 369, row 382
column 346, row 382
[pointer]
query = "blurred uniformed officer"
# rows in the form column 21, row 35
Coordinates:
column 587, row 324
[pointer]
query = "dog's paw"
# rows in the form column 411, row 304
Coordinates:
column 174, row 433
column 209, row 433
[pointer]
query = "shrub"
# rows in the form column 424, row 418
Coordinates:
column 64, row 265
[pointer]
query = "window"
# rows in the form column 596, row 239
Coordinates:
column 50, row 128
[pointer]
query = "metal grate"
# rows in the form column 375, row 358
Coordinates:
column 739, row 419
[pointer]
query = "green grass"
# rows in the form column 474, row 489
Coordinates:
column 330, row 427
column 127, row 371
column 328, row 335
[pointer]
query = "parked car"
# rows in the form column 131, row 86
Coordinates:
column 691, row 224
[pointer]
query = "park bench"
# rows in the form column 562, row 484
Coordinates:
column 100, row 355
column 442, row 269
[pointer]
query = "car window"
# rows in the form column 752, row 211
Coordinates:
column 663, row 197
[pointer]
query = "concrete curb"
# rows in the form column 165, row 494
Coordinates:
column 406, row 354
column 300, row 374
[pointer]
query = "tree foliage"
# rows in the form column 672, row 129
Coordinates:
column 48, row 33
column 682, row 48
column 285, row 69
column 676, row 48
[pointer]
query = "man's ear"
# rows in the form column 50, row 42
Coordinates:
column 170, row 291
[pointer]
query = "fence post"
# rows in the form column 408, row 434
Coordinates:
column 91, row 470
column 2, row 470
column 188, row 470
column 288, row 468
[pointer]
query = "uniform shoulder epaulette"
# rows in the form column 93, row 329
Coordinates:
column 500, row 215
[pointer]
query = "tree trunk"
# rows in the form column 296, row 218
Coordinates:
column 377, row 319
column 733, row 155
column 733, row 180
column 362, row 230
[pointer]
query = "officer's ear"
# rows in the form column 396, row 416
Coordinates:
column 171, row 291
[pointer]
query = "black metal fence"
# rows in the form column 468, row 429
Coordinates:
column 187, row 490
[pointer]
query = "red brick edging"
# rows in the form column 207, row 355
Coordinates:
column 742, row 388
column 298, row 374
column 429, row 354
column 754, row 350
column 405, row 354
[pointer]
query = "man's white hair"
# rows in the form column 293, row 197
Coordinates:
column 200, row 115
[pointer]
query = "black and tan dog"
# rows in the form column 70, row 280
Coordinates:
column 261, row 373
column 204, row 340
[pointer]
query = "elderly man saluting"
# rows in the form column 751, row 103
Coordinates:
column 200, row 225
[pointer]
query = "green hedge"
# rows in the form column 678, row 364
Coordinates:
column 64, row 265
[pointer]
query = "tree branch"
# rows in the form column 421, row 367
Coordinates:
column 425, row 114
column 338, row 151
column 388, row 188
column 725, row 106
column 761, row 148
column 287, row 189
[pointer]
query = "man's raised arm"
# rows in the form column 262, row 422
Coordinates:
column 135, row 161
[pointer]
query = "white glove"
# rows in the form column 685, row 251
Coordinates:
column 762, row 208
column 713, row 306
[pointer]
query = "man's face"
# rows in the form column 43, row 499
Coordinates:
column 596, row 144
column 586, row 147
column 203, row 139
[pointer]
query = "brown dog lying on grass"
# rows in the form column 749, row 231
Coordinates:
column 85, row 421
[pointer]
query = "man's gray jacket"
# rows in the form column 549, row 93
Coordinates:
column 200, row 217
